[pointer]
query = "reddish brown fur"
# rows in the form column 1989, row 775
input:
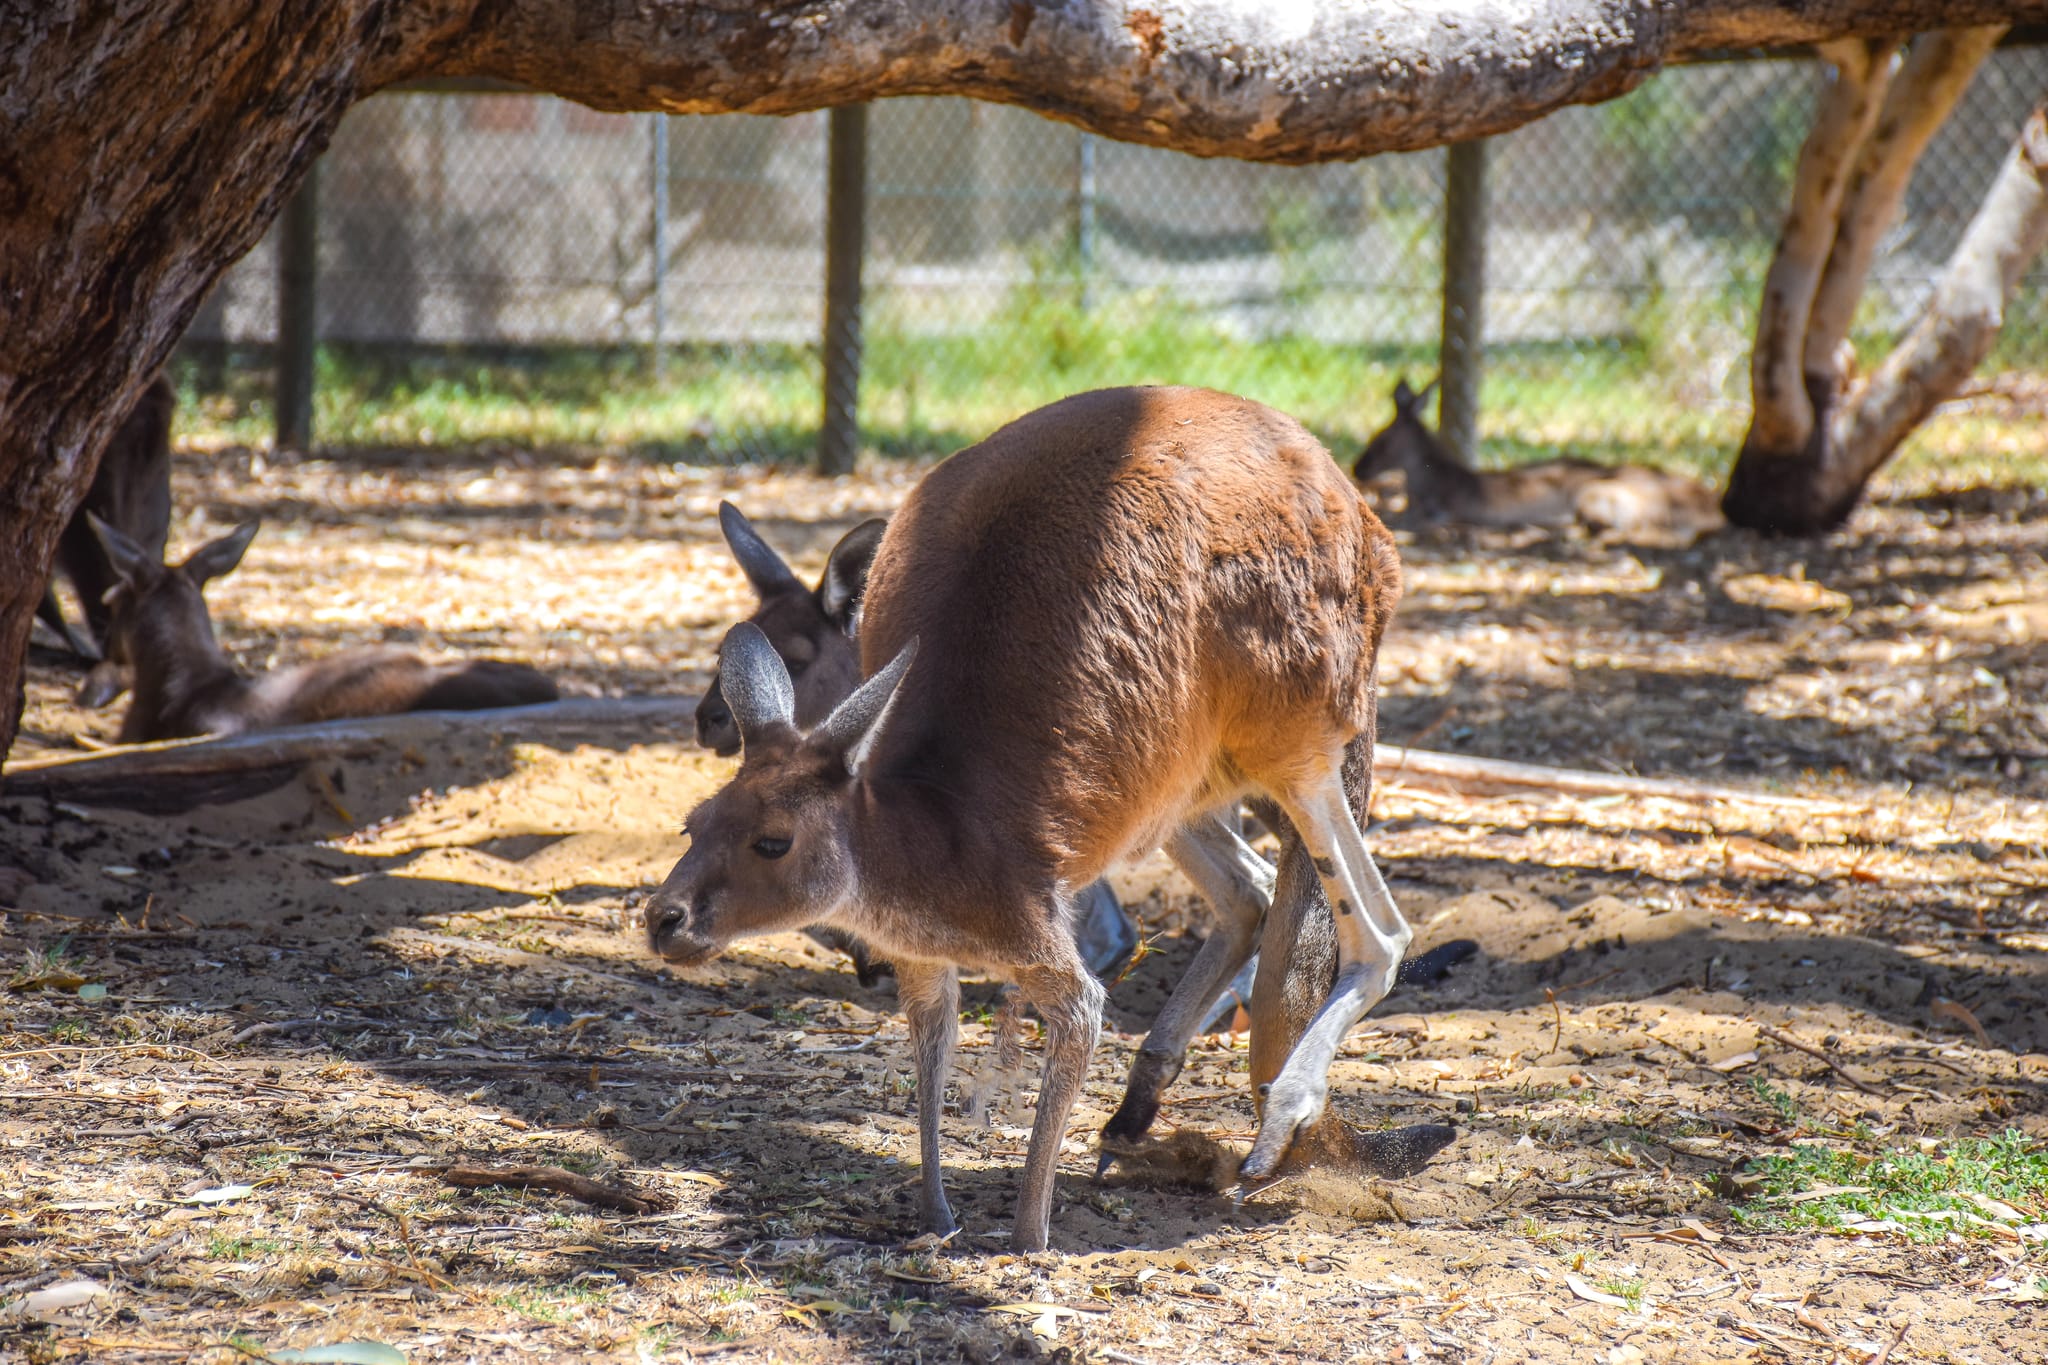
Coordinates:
column 1066, row 578
column 186, row 685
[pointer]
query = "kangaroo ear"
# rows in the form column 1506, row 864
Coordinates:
column 1404, row 397
column 1420, row 397
column 131, row 562
column 763, row 567
column 755, row 682
column 217, row 557
column 846, row 572
column 857, row 722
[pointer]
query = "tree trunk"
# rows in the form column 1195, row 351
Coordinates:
column 1812, row 447
column 1783, row 413
column 145, row 145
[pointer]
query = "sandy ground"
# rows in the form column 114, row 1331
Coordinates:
column 314, row 1000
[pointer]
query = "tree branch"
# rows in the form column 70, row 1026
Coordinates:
column 1782, row 411
column 1312, row 80
column 1962, row 317
column 1937, row 69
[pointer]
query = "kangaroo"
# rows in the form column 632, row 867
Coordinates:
column 1626, row 502
column 130, row 491
column 1111, row 620
column 812, row 631
column 186, row 685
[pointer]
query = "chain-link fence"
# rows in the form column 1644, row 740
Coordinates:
column 1011, row 259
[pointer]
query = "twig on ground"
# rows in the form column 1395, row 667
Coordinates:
column 1898, row 1336
column 580, row 1187
column 1780, row 1036
column 1557, row 1019
column 274, row 1026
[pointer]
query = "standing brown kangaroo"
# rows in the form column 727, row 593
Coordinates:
column 1628, row 502
column 1114, row 618
column 130, row 491
column 813, row 630
column 186, row 685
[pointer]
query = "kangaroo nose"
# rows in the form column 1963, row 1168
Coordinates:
column 665, row 918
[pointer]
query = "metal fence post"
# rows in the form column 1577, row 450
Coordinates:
column 845, row 240
column 1084, row 218
column 1464, row 334
column 657, row 356
column 298, row 248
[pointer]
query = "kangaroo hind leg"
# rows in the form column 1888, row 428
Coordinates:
column 1371, row 938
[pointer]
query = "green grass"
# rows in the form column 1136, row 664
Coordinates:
column 925, row 394
column 555, row 1303
column 1927, row 1194
column 1631, row 1291
column 221, row 1247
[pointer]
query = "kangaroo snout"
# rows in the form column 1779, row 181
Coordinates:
column 671, row 928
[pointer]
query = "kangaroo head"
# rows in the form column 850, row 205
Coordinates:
column 1406, row 443
column 158, row 611
column 811, row 629
column 773, row 849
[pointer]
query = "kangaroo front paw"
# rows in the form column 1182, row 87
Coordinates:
column 1151, row 1073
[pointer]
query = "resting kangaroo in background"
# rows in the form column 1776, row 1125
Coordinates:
column 185, row 685
column 130, row 491
column 1114, row 618
column 1626, row 501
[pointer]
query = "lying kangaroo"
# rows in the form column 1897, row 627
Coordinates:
column 130, row 491
column 185, row 685
column 1105, row 624
column 1626, row 502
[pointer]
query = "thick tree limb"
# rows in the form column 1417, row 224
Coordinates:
column 1782, row 411
column 1962, row 318
column 1311, row 80
column 1937, row 69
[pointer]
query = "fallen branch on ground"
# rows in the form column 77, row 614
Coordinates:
column 180, row 774
column 1780, row 1036
column 552, row 1178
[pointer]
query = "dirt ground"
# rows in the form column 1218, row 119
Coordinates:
column 241, row 1045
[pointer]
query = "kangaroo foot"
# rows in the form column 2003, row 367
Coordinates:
column 1426, row 969
column 1125, row 1132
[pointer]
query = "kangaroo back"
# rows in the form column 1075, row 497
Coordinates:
column 379, row 681
column 1116, row 599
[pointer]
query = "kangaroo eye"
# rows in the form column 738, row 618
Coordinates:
column 771, row 849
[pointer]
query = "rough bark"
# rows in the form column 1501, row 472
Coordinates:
column 1921, row 97
column 1961, row 320
column 1804, row 463
column 1782, row 413
column 147, row 144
